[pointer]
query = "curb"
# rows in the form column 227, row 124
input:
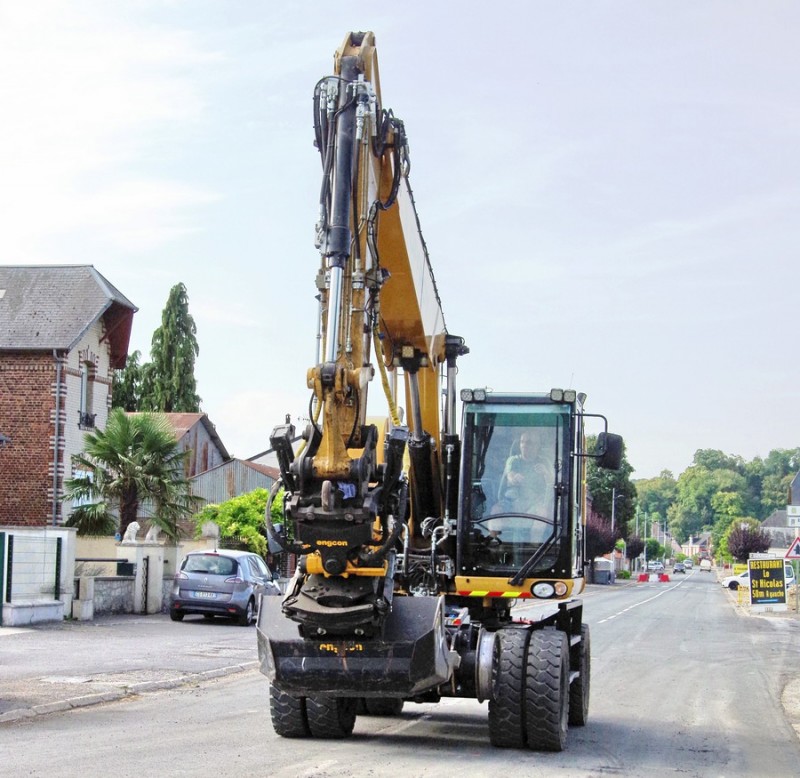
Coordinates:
column 129, row 691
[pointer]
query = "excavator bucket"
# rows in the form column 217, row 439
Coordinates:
column 410, row 658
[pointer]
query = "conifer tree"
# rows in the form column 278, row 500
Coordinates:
column 168, row 382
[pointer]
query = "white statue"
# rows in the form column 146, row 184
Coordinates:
column 130, row 533
column 152, row 534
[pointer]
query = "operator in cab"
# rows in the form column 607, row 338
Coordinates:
column 527, row 482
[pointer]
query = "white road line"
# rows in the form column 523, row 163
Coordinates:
column 642, row 602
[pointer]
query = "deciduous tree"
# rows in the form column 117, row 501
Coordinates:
column 745, row 538
column 126, row 386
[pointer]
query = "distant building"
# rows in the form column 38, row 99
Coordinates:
column 782, row 530
column 63, row 331
column 231, row 479
column 197, row 435
column 783, row 525
column 698, row 546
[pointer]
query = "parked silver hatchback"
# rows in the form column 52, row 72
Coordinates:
column 221, row 583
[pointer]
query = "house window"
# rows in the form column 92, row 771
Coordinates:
column 83, row 500
column 85, row 415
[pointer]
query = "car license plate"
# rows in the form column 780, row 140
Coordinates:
column 205, row 595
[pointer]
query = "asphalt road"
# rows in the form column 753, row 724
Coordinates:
column 682, row 684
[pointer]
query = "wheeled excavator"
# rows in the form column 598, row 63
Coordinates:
column 415, row 539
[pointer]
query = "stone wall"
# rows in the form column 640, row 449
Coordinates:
column 112, row 594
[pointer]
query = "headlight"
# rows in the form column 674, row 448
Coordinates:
column 466, row 395
column 543, row 589
column 557, row 395
column 561, row 588
column 480, row 395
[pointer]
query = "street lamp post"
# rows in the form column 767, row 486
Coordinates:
column 614, row 498
column 645, row 542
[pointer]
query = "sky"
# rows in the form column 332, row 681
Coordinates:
column 609, row 192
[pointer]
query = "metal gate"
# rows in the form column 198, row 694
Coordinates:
column 145, row 577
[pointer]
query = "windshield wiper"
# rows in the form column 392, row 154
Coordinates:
column 522, row 573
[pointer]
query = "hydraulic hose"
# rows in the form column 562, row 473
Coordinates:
column 292, row 547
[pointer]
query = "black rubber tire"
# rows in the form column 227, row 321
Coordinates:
column 247, row 618
column 288, row 714
column 331, row 717
column 579, row 688
column 733, row 585
column 383, row 706
column 547, row 690
column 176, row 615
column 507, row 704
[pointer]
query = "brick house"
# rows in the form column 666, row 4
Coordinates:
column 63, row 330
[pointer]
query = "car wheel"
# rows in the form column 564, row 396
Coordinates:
column 246, row 619
column 734, row 585
column 176, row 615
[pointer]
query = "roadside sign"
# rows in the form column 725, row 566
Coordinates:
column 794, row 549
column 767, row 583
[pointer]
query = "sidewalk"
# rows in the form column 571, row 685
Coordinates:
column 53, row 667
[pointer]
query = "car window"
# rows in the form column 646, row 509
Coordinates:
column 254, row 568
column 213, row 564
column 262, row 567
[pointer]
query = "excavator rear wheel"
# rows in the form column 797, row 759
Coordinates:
column 288, row 714
column 331, row 717
column 547, row 690
column 506, row 706
column 579, row 689
column 383, row 706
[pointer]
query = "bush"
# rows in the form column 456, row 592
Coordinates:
column 240, row 518
column 624, row 574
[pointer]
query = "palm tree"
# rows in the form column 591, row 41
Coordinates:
column 135, row 458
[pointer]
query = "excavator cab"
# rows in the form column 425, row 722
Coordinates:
column 521, row 500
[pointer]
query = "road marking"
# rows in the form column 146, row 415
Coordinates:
column 641, row 602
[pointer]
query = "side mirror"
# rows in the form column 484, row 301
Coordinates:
column 609, row 451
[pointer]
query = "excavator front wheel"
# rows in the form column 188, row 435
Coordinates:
column 331, row 717
column 506, row 706
column 383, row 706
column 579, row 689
column 547, row 690
column 288, row 714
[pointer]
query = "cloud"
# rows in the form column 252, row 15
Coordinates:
column 85, row 97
